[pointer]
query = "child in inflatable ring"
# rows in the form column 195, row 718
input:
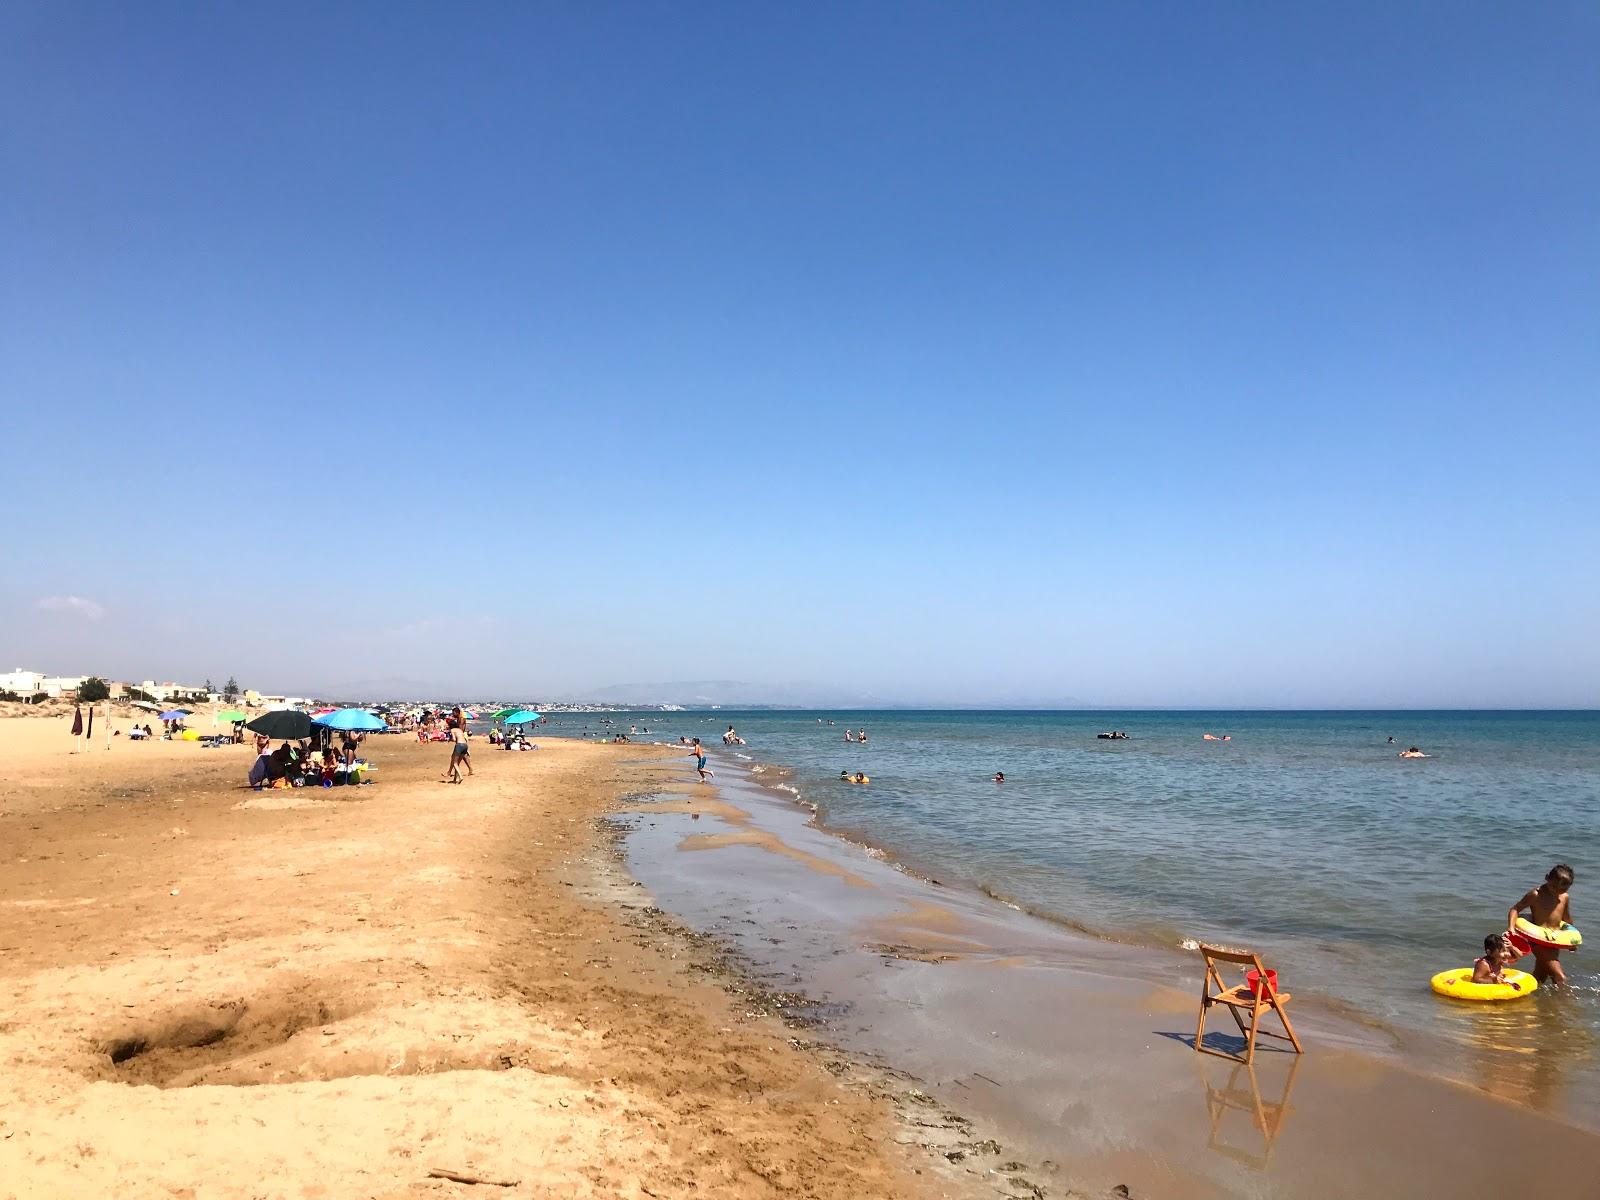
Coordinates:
column 1498, row 954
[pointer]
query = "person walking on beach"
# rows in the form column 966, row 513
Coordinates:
column 699, row 753
column 460, row 752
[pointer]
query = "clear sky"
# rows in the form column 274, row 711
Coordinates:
column 1137, row 353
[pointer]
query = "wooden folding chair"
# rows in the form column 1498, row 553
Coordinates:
column 1240, row 999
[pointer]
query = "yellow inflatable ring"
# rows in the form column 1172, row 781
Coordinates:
column 1565, row 938
column 1458, row 985
column 863, row 779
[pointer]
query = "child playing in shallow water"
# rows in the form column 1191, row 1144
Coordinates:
column 1548, row 905
column 1498, row 954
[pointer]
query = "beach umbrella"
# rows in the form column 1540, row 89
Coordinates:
column 522, row 716
column 175, row 714
column 146, row 705
column 323, row 711
column 353, row 718
column 231, row 715
column 505, row 712
column 287, row 723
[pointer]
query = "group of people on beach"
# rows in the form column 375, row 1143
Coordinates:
column 308, row 762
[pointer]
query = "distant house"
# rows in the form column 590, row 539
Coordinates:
column 171, row 690
column 23, row 683
column 28, row 684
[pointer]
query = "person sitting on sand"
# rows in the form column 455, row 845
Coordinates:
column 1548, row 905
column 1498, row 954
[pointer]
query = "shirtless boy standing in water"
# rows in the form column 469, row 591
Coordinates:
column 1549, row 906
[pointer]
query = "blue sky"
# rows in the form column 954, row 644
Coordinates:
column 1134, row 353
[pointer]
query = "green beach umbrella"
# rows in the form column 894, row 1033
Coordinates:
column 231, row 716
column 504, row 713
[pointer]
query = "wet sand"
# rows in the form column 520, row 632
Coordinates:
column 214, row 992
column 1078, row 1052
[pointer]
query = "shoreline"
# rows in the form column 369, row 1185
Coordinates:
column 906, row 974
column 342, row 992
column 1172, row 949
column 1445, row 1054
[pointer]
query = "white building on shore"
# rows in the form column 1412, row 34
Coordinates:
column 171, row 690
column 23, row 683
column 28, row 684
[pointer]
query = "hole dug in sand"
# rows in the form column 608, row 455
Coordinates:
column 290, row 1038
column 146, row 1052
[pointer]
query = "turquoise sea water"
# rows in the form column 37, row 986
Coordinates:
column 1304, row 836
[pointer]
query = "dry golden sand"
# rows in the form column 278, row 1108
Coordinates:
column 331, row 992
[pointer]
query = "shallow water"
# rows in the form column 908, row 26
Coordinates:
column 1304, row 837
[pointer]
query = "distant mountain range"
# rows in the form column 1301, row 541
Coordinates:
column 694, row 693
column 732, row 693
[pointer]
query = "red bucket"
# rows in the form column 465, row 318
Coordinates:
column 1252, row 980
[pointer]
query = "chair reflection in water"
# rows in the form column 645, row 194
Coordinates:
column 1266, row 1115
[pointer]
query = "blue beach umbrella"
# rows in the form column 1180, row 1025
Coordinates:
column 174, row 714
column 523, row 716
column 352, row 718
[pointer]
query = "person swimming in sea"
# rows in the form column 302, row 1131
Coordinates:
column 999, row 776
column 1413, row 752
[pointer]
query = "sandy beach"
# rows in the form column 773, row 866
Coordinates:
column 216, row 992
column 402, row 988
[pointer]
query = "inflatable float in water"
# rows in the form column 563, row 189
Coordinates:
column 1565, row 938
column 1458, row 985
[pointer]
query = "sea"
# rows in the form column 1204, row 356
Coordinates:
column 1303, row 835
